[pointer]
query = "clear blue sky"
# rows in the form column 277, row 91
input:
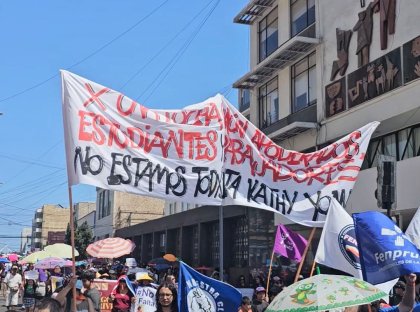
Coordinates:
column 40, row 37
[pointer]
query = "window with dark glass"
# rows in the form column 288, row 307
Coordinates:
column 402, row 144
column 304, row 83
column 269, row 103
column 268, row 35
column 245, row 99
column 302, row 15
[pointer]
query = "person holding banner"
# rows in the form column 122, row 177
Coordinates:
column 145, row 298
column 122, row 296
column 166, row 299
column 29, row 294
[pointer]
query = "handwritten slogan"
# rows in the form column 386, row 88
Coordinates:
column 207, row 153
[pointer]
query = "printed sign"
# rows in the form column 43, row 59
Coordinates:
column 207, row 153
column 131, row 262
column 145, row 299
column 105, row 287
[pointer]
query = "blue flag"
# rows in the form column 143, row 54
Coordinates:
column 385, row 251
column 199, row 293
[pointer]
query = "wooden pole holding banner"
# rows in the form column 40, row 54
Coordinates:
column 73, row 259
column 269, row 274
column 311, row 236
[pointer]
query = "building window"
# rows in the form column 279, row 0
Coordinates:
column 304, row 83
column 170, row 209
column 104, row 204
column 245, row 99
column 269, row 103
column 302, row 15
column 402, row 145
column 268, row 35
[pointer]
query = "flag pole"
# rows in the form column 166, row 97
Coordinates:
column 73, row 259
column 311, row 236
column 269, row 274
column 313, row 268
column 221, row 242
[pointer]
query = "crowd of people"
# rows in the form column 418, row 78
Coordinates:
column 51, row 290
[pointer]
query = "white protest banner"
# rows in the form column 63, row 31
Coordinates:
column 145, row 298
column 207, row 153
column 31, row 275
column 131, row 262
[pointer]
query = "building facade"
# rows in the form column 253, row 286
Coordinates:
column 115, row 210
column 85, row 212
column 318, row 71
column 172, row 207
column 49, row 219
column 193, row 236
column 321, row 69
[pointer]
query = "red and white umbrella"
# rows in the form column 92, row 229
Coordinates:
column 113, row 247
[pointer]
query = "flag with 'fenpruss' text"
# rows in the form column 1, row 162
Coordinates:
column 385, row 251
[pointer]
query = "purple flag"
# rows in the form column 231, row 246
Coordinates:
column 289, row 244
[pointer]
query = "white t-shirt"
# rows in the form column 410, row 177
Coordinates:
column 13, row 281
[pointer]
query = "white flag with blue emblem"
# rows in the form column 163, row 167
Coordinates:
column 338, row 246
column 413, row 230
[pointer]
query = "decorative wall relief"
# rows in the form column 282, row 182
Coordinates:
column 343, row 43
column 376, row 78
column 364, row 28
column 335, row 97
column 386, row 9
column 411, row 56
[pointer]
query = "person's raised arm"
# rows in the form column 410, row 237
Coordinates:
column 408, row 300
column 62, row 295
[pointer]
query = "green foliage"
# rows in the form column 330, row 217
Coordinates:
column 83, row 236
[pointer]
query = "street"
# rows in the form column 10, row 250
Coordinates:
column 3, row 302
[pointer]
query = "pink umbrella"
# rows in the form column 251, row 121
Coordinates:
column 13, row 257
column 113, row 247
column 50, row 263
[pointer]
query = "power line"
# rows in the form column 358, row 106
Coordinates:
column 168, row 68
column 38, row 158
column 87, row 57
column 168, row 44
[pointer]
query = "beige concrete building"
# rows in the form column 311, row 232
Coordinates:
column 85, row 212
column 49, row 222
column 321, row 69
column 116, row 210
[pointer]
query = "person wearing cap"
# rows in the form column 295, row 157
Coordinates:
column 145, row 292
column 408, row 303
column 398, row 293
column 143, row 279
column 259, row 303
column 13, row 282
column 91, row 291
